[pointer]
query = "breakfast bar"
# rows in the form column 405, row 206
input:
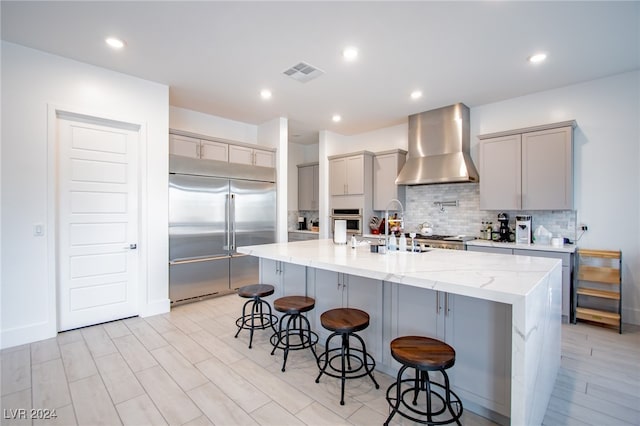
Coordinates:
column 528, row 289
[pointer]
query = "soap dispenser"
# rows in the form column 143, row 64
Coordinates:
column 392, row 243
column 402, row 243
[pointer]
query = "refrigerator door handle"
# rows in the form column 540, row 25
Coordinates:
column 232, row 221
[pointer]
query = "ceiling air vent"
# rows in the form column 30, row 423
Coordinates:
column 303, row 72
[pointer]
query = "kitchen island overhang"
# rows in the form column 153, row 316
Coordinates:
column 530, row 285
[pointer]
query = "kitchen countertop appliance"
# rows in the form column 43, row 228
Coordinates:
column 214, row 207
column 504, row 233
column 302, row 223
column 523, row 229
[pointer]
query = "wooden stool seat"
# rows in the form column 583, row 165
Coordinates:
column 294, row 304
column 345, row 361
column 256, row 290
column 256, row 313
column 423, row 353
column 294, row 332
column 427, row 357
column 344, row 320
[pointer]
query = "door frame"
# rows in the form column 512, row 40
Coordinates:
column 55, row 111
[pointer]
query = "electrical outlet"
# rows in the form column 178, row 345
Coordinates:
column 583, row 227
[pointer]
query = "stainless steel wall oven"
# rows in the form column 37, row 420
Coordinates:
column 353, row 217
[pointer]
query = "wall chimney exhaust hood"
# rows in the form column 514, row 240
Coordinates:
column 439, row 148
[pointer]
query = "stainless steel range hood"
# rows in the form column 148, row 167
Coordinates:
column 439, row 148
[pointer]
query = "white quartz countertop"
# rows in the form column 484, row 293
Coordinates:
column 304, row 232
column 496, row 277
column 567, row 248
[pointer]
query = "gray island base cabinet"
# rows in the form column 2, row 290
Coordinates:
column 502, row 314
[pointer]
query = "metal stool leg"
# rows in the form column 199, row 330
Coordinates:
column 398, row 395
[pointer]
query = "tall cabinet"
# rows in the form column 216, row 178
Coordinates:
column 386, row 167
column 308, row 186
column 350, row 174
column 528, row 169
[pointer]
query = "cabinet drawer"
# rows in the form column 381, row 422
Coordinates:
column 565, row 257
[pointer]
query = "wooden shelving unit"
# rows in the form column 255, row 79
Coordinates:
column 598, row 292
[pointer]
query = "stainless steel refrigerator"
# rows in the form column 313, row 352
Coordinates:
column 215, row 207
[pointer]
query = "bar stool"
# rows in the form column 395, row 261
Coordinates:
column 423, row 354
column 297, row 335
column 257, row 318
column 345, row 322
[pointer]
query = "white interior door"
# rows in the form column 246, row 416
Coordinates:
column 97, row 222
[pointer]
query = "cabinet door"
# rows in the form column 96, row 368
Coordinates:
column 480, row 332
column 338, row 176
column 305, row 187
column 417, row 312
column 385, row 171
column 315, row 188
column 328, row 295
column 500, row 173
column 240, row 155
column 294, row 279
column 269, row 274
column 355, row 175
column 366, row 294
column 185, row 146
column 547, row 170
column 210, row 150
column 567, row 262
column 264, row 158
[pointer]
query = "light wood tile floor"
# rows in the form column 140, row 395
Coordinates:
column 186, row 368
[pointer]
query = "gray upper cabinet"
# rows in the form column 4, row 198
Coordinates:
column 500, row 173
column 547, row 169
column 528, row 169
column 194, row 147
column 347, row 174
column 251, row 156
column 386, row 166
column 308, row 186
column 184, row 146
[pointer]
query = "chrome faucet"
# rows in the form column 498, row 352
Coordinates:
column 386, row 220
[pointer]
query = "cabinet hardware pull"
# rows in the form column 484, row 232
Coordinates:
column 446, row 304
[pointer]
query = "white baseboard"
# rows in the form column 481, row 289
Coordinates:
column 631, row 316
column 156, row 307
column 27, row 334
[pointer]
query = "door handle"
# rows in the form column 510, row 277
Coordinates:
column 131, row 247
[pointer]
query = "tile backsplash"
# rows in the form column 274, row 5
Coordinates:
column 292, row 218
column 467, row 218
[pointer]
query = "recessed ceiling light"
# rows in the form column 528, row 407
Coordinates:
column 416, row 94
column 265, row 94
column 350, row 53
column 336, row 118
column 116, row 43
column 537, row 58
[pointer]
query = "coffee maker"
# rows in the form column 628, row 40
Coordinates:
column 302, row 223
column 523, row 229
column 504, row 233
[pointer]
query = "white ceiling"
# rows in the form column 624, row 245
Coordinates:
column 217, row 56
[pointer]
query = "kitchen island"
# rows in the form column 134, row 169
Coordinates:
column 498, row 311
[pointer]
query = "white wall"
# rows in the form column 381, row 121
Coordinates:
column 211, row 125
column 274, row 135
column 376, row 141
column 606, row 158
column 296, row 156
column 32, row 80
